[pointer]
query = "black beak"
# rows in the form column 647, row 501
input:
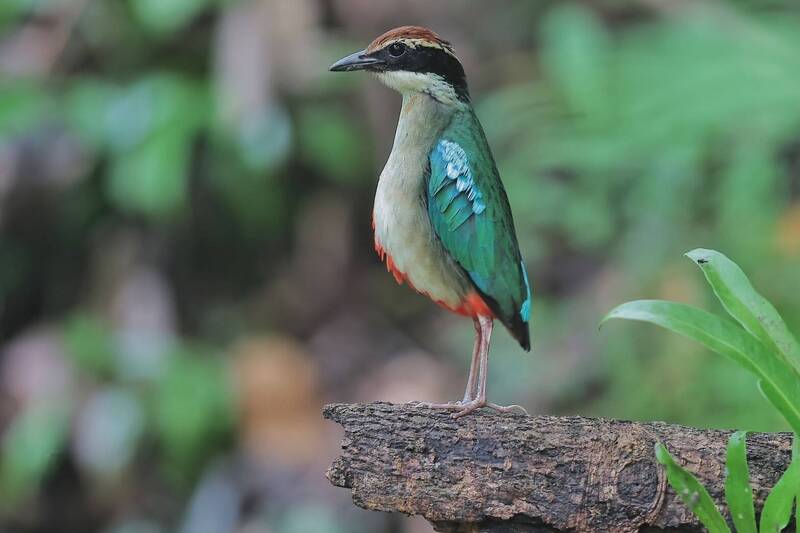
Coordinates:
column 358, row 61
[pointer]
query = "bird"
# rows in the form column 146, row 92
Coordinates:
column 441, row 217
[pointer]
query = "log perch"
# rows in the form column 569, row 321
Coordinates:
column 490, row 472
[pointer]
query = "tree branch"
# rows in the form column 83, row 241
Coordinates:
column 514, row 473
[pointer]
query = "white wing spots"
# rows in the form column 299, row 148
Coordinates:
column 458, row 169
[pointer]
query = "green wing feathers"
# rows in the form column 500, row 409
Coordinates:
column 469, row 211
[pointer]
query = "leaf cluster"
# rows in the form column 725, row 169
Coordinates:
column 762, row 344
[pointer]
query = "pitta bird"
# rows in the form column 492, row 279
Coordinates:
column 441, row 218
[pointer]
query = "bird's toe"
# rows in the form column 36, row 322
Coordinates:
column 467, row 408
column 508, row 408
column 431, row 405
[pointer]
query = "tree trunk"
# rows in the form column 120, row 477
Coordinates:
column 490, row 472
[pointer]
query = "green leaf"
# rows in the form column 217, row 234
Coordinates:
column 88, row 342
column 779, row 380
column 154, row 103
column 692, row 492
column 774, row 396
column 738, row 491
column 30, row 446
column 193, row 408
column 86, row 103
column 9, row 11
column 152, row 178
column 330, row 141
column 23, row 105
column 743, row 303
column 777, row 511
column 150, row 127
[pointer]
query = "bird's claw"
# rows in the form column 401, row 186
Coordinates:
column 430, row 405
column 514, row 408
column 477, row 404
column 464, row 408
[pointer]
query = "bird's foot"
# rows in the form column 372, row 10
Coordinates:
column 465, row 407
column 513, row 408
column 476, row 404
column 430, row 405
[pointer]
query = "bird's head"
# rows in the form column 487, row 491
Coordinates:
column 412, row 59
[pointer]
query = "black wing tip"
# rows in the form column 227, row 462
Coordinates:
column 526, row 344
column 520, row 331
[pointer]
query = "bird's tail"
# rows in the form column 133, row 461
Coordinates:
column 520, row 330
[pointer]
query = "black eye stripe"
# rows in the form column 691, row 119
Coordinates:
column 425, row 59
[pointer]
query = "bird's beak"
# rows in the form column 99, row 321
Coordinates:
column 358, row 61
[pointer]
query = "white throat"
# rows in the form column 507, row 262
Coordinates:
column 408, row 83
column 402, row 227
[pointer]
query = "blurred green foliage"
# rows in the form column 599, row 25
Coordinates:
column 89, row 343
column 192, row 407
column 668, row 122
column 761, row 345
column 638, row 142
column 30, row 447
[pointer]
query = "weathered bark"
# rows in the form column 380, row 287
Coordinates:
column 514, row 473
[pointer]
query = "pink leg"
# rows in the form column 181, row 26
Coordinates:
column 472, row 382
column 471, row 390
column 479, row 368
column 483, row 356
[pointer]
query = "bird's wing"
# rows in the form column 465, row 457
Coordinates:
column 469, row 212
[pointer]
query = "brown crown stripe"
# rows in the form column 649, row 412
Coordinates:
column 413, row 36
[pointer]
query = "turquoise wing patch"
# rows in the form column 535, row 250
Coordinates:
column 455, row 190
column 458, row 207
column 469, row 212
column 525, row 310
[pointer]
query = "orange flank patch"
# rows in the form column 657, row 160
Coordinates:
column 400, row 277
column 473, row 305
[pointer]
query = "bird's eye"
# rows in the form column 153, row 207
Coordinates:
column 397, row 49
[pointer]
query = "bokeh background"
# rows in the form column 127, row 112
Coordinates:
column 186, row 264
